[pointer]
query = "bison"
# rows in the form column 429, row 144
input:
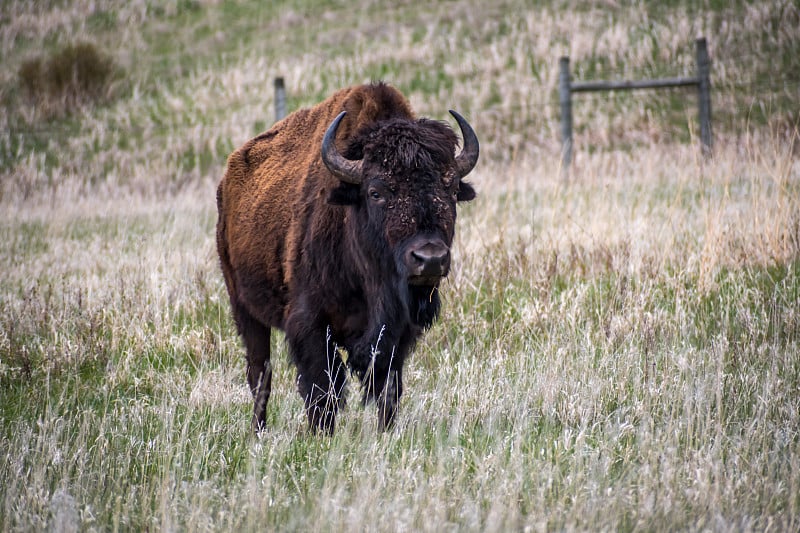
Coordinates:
column 335, row 226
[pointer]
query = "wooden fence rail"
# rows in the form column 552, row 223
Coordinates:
column 702, row 81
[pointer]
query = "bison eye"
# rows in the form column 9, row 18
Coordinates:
column 377, row 194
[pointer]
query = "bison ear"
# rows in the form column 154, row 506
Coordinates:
column 345, row 194
column 465, row 192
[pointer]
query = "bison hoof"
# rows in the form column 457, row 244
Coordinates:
column 388, row 401
column 258, row 425
column 321, row 420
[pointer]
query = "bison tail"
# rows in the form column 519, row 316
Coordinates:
column 222, row 247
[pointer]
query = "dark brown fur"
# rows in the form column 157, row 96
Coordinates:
column 321, row 259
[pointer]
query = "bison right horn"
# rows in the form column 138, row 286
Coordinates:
column 344, row 169
column 466, row 160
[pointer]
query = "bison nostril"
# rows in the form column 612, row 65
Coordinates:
column 432, row 259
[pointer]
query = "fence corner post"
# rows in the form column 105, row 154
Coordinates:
column 704, row 94
column 280, row 99
column 565, row 99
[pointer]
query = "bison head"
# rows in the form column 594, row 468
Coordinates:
column 403, row 179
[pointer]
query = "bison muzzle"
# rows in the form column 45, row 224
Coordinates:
column 335, row 226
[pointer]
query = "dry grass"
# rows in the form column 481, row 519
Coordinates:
column 618, row 350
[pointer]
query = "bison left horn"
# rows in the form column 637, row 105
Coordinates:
column 344, row 169
column 466, row 160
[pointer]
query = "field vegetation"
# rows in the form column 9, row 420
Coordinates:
column 620, row 344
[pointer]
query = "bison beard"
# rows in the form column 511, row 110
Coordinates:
column 335, row 226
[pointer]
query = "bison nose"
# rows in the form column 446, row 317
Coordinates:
column 428, row 260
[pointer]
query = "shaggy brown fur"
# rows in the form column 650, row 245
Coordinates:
column 326, row 261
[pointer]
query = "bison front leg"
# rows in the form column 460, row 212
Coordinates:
column 389, row 398
column 320, row 377
column 383, row 378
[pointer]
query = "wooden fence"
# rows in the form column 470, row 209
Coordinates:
column 280, row 99
column 566, row 87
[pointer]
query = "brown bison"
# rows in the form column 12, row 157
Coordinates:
column 335, row 226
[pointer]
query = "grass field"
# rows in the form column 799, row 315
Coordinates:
column 619, row 349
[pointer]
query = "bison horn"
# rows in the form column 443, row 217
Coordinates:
column 344, row 169
column 466, row 160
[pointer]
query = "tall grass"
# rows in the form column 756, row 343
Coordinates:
column 617, row 350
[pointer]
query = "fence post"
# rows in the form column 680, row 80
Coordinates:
column 704, row 94
column 565, row 99
column 280, row 99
